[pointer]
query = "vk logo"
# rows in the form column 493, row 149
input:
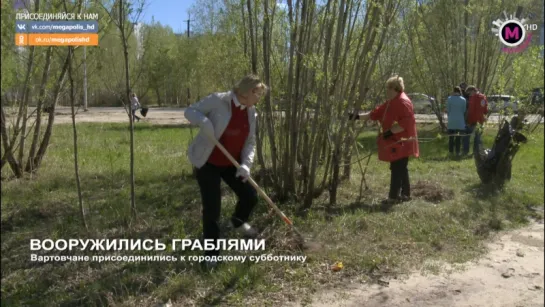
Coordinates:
column 21, row 27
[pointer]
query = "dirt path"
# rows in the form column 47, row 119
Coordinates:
column 510, row 275
column 160, row 116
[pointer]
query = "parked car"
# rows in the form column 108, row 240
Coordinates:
column 498, row 103
column 422, row 103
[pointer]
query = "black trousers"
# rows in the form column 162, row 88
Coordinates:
column 134, row 115
column 454, row 141
column 399, row 178
column 209, row 178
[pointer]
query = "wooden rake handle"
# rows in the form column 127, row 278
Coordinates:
column 252, row 182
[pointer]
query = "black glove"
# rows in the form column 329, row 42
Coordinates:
column 353, row 116
column 387, row 134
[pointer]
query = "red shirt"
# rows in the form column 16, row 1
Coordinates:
column 233, row 138
column 400, row 110
column 477, row 109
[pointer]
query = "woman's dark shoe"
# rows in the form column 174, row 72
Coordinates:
column 387, row 204
column 247, row 231
column 390, row 201
column 405, row 198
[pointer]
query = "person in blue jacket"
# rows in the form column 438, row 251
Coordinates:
column 456, row 111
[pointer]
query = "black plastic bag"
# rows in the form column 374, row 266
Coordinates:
column 494, row 164
column 144, row 111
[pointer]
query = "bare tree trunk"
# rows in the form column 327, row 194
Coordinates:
column 20, row 128
column 252, row 37
column 244, row 32
column 259, row 140
column 124, row 38
column 480, row 56
column 158, row 94
column 35, row 160
column 3, row 160
column 30, row 162
column 289, row 184
column 466, row 25
column 317, row 130
column 75, row 135
column 308, row 86
column 299, row 105
column 85, row 79
column 341, row 132
column 474, row 62
column 268, row 107
column 335, row 159
column 24, row 105
column 51, row 119
column 8, row 146
column 338, row 44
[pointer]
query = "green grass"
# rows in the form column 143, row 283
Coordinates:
column 369, row 242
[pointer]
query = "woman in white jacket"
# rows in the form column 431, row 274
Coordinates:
column 230, row 117
column 135, row 105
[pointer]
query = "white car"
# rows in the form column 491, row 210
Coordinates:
column 422, row 103
column 497, row 103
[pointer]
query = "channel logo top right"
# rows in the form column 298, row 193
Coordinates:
column 513, row 32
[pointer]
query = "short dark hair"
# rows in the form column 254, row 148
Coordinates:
column 457, row 89
column 471, row 88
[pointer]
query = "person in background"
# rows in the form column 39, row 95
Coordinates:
column 135, row 105
column 456, row 112
column 463, row 87
column 476, row 114
column 399, row 139
column 229, row 117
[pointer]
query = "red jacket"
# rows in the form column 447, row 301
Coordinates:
column 477, row 109
column 399, row 145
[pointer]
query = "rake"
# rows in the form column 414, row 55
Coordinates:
column 303, row 243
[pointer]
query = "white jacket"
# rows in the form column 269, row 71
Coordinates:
column 217, row 108
column 135, row 104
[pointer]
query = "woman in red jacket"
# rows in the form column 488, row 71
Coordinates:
column 476, row 114
column 398, row 141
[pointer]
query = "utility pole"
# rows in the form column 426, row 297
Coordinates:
column 187, row 76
